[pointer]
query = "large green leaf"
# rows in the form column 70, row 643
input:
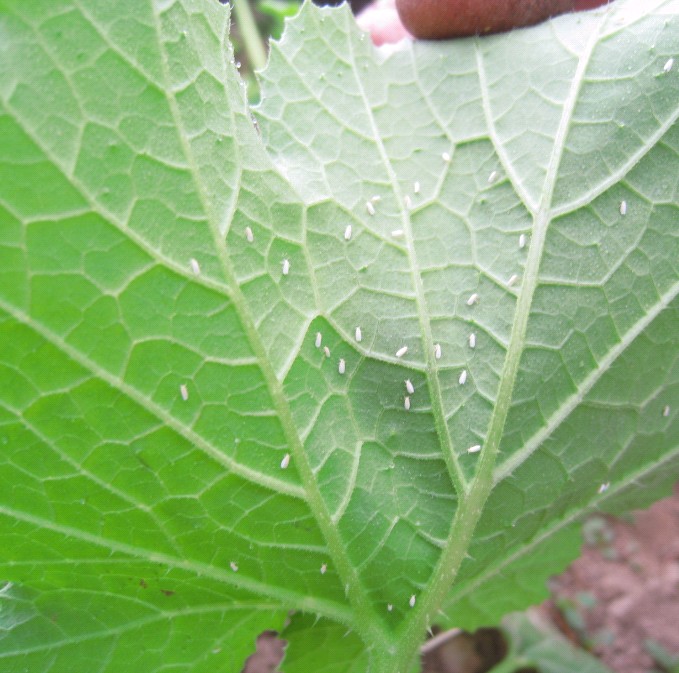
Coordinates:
column 145, row 229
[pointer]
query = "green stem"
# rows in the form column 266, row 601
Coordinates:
column 254, row 46
column 511, row 664
column 386, row 663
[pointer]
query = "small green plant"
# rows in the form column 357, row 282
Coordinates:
column 536, row 646
column 668, row 663
column 372, row 361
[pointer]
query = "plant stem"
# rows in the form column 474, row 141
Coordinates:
column 511, row 664
column 254, row 45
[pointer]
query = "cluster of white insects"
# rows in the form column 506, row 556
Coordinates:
column 403, row 350
column 472, row 300
column 410, row 389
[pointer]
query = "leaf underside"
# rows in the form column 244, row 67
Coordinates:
column 158, row 364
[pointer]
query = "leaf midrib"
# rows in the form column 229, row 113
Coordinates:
column 454, row 469
column 238, row 302
column 466, row 520
column 337, row 550
column 531, row 272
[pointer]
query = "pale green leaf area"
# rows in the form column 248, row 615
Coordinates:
column 537, row 645
column 158, row 364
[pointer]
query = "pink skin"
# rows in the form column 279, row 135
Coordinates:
column 381, row 19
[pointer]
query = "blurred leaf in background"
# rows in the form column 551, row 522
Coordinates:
column 269, row 18
column 277, row 11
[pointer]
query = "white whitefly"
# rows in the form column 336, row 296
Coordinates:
column 512, row 279
column 234, row 566
column 401, row 351
column 406, row 403
column 376, row 199
column 412, row 600
column 473, row 299
column 492, row 177
column 445, row 156
column 195, row 267
column 370, row 208
column 437, row 351
column 326, row 350
column 463, row 377
column 472, row 340
column 390, row 607
column 416, row 187
column 347, row 233
column 342, row 366
column 250, row 237
column 324, row 568
column 184, row 392
column 397, row 233
column 522, row 241
column 669, row 64
column 286, row 266
column 319, row 339
column 623, row 207
column 358, row 334
column 286, row 461
column 410, row 387
column 408, row 202
column 604, row 487
column 474, row 449
column 666, row 411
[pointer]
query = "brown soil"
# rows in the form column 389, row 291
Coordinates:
column 625, row 587
column 269, row 653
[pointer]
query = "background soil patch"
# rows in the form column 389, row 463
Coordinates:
column 625, row 587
